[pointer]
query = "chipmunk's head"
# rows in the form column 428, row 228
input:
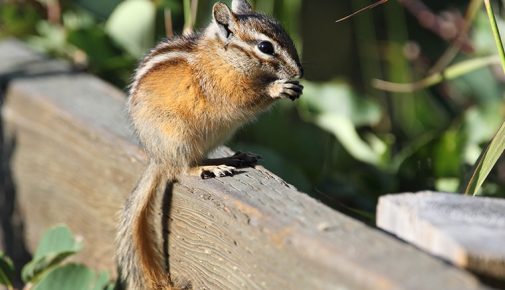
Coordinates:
column 255, row 42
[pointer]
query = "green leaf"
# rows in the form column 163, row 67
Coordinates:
column 74, row 277
column 447, row 184
column 73, row 20
column 102, row 282
column 480, row 125
column 52, row 39
column 132, row 25
column 496, row 147
column 68, row 277
column 6, row 270
column 57, row 244
column 346, row 133
column 96, row 44
column 486, row 161
column 17, row 19
column 481, row 81
column 99, row 8
column 496, row 32
column 337, row 98
column 58, row 239
column 336, row 109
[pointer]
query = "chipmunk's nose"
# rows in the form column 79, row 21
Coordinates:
column 299, row 73
column 294, row 71
column 302, row 72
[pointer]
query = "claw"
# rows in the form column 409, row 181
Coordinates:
column 291, row 89
column 206, row 174
column 217, row 171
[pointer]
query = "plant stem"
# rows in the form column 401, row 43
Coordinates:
column 486, row 162
column 496, row 147
column 169, row 29
column 449, row 73
column 452, row 51
column 188, row 17
column 496, row 32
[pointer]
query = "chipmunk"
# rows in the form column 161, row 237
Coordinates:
column 189, row 95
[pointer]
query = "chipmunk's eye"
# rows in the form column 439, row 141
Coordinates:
column 266, row 47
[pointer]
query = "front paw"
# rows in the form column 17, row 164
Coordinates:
column 243, row 159
column 285, row 89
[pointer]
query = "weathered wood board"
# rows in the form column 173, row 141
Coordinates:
column 467, row 231
column 75, row 161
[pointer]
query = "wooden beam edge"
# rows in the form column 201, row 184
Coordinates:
column 317, row 232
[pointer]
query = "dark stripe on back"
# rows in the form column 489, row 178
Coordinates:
column 179, row 44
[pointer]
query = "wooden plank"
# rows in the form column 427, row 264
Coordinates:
column 467, row 231
column 75, row 162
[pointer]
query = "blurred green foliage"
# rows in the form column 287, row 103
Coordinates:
column 344, row 142
column 47, row 270
column 6, row 271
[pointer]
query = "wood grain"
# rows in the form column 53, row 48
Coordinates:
column 467, row 231
column 75, row 161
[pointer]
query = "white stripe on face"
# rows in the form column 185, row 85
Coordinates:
column 279, row 50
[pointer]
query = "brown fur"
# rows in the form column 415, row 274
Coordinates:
column 154, row 277
column 185, row 104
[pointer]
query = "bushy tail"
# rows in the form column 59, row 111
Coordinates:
column 140, row 253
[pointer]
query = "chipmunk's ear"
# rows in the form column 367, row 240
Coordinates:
column 224, row 19
column 241, row 7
